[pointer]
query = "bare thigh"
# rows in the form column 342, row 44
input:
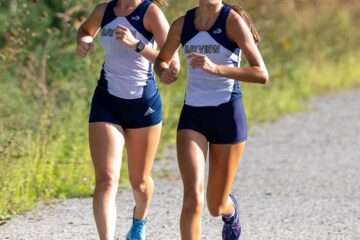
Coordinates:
column 192, row 150
column 141, row 145
column 106, row 145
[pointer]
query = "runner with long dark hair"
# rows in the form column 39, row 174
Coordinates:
column 213, row 36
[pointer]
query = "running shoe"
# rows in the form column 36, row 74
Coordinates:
column 137, row 230
column 232, row 227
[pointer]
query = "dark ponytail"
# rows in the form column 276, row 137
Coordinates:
column 248, row 20
column 160, row 3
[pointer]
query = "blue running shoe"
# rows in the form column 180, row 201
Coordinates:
column 232, row 227
column 137, row 230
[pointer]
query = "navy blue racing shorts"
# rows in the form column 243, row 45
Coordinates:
column 223, row 124
column 128, row 113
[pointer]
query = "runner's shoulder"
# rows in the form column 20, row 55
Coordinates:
column 100, row 9
column 178, row 24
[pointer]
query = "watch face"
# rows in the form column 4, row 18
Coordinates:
column 140, row 46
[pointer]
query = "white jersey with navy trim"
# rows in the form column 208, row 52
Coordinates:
column 125, row 72
column 204, row 89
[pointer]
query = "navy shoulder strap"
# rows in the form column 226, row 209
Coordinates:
column 136, row 19
column 189, row 30
column 109, row 14
column 218, row 31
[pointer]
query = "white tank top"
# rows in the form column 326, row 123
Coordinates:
column 125, row 72
column 204, row 89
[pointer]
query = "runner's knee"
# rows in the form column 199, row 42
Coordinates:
column 194, row 200
column 141, row 185
column 107, row 182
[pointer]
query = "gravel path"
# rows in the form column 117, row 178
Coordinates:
column 299, row 179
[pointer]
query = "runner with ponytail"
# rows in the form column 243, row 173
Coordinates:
column 212, row 123
column 246, row 17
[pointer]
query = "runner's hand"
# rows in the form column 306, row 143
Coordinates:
column 199, row 61
column 125, row 36
column 169, row 74
column 84, row 46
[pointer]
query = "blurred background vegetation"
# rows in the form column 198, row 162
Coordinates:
column 310, row 46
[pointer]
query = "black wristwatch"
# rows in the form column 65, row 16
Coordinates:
column 140, row 46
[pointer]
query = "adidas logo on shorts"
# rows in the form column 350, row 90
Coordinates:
column 149, row 111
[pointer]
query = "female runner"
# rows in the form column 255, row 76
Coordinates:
column 126, row 106
column 213, row 35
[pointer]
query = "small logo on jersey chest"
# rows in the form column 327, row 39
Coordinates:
column 135, row 18
column 217, row 31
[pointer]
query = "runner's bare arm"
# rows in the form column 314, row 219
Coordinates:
column 163, row 64
column 92, row 24
column 89, row 29
column 156, row 23
column 239, row 32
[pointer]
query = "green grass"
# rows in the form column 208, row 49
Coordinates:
column 286, row 95
column 45, row 91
